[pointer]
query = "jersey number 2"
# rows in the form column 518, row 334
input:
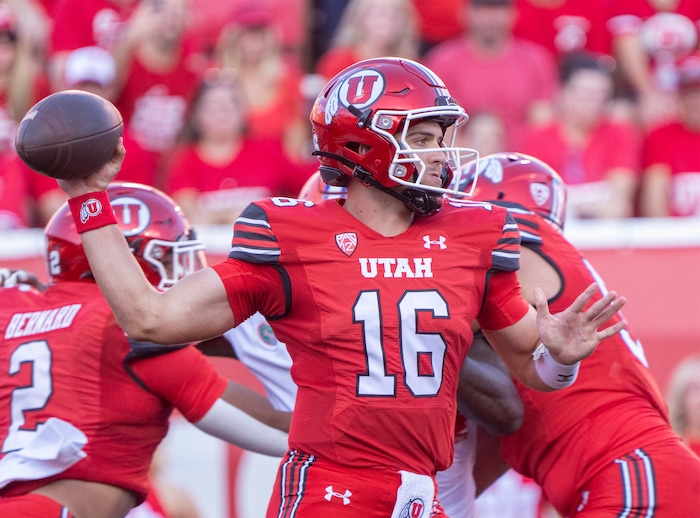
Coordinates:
column 30, row 397
column 416, row 348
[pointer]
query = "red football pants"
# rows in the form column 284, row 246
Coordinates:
column 32, row 506
column 659, row 481
column 307, row 487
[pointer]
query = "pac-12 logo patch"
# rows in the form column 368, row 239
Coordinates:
column 540, row 193
column 347, row 242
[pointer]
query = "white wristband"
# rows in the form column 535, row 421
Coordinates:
column 551, row 372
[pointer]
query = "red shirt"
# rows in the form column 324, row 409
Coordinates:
column 593, row 162
column 695, row 447
column 377, row 327
column 67, row 358
column 665, row 40
column 14, row 192
column 260, row 169
column 154, row 105
column 505, row 85
column 81, row 23
column 677, row 147
column 614, row 406
column 335, row 60
column 569, row 26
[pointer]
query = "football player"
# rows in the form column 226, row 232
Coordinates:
column 82, row 407
column 486, row 389
column 373, row 295
column 604, row 446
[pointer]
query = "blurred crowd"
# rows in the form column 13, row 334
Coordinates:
column 215, row 95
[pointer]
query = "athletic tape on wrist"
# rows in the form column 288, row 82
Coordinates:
column 91, row 211
column 552, row 372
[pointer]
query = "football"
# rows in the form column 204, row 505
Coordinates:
column 69, row 134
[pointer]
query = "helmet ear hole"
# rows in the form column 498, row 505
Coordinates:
column 331, row 175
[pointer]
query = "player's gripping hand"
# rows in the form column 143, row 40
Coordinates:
column 574, row 334
column 100, row 179
column 11, row 278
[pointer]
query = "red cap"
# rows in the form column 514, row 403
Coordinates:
column 252, row 15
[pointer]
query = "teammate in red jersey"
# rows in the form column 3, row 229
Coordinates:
column 82, row 408
column 604, row 447
column 373, row 295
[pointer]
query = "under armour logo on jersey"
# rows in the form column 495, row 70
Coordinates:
column 428, row 243
column 347, row 242
column 413, row 509
column 345, row 497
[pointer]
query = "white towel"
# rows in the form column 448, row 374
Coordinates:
column 54, row 448
column 415, row 496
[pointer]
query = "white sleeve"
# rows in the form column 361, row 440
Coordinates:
column 231, row 424
column 257, row 347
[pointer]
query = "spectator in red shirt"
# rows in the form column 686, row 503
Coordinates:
column 371, row 29
column 488, row 69
column 83, row 23
column 219, row 169
column 596, row 155
column 671, row 179
column 565, row 26
column 251, row 42
column 649, row 38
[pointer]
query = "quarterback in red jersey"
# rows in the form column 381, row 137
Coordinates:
column 82, row 407
column 373, row 295
column 603, row 447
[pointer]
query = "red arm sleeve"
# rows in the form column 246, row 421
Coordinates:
column 504, row 304
column 183, row 377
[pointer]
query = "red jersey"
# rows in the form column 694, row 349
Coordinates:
column 676, row 147
column 591, row 162
column 246, row 178
column 667, row 33
column 81, row 23
column 506, row 84
column 14, row 192
column 154, row 105
column 615, row 406
column 695, row 447
column 567, row 27
column 377, row 327
column 336, row 59
column 64, row 356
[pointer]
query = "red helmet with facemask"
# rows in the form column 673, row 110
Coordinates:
column 360, row 121
column 158, row 234
column 517, row 179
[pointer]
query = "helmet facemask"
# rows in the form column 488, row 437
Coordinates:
column 407, row 165
column 173, row 260
column 361, row 121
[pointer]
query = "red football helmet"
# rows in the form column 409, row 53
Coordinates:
column 159, row 236
column 516, row 179
column 361, row 119
column 315, row 189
